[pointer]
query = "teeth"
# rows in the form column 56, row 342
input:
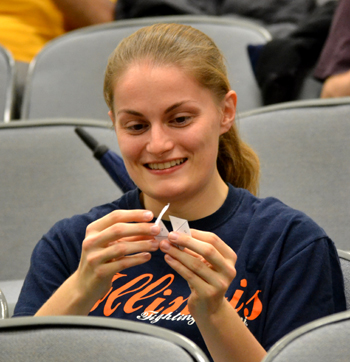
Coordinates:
column 162, row 166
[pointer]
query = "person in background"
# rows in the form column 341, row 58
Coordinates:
column 333, row 66
column 282, row 65
column 249, row 271
column 27, row 25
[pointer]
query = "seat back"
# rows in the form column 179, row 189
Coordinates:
column 3, row 306
column 311, row 88
column 326, row 339
column 66, row 78
column 92, row 339
column 47, row 174
column 10, row 290
column 7, row 84
column 304, row 152
column 344, row 257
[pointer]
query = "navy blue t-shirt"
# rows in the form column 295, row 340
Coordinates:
column 288, row 272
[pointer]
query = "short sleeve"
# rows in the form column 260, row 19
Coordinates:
column 53, row 261
column 307, row 286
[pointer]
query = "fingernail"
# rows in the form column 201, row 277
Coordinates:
column 148, row 215
column 165, row 245
column 155, row 229
column 155, row 244
column 168, row 257
column 173, row 236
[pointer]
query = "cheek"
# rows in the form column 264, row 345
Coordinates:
column 210, row 145
column 128, row 148
column 130, row 156
column 210, row 137
column 206, row 148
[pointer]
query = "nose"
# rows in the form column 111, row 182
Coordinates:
column 160, row 140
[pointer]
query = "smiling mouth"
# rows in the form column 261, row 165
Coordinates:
column 165, row 165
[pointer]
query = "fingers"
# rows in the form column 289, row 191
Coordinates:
column 127, row 224
column 208, row 286
column 207, row 271
column 105, row 271
column 195, row 277
column 125, row 233
column 208, row 246
column 208, row 258
column 214, row 240
column 120, row 216
column 120, row 249
column 95, row 278
column 119, row 240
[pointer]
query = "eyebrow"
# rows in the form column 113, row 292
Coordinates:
column 176, row 105
column 130, row 111
column 138, row 114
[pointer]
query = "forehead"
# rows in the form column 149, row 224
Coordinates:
column 149, row 82
column 154, row 72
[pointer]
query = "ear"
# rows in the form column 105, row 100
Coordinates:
column 229, row 111
column 111, row 116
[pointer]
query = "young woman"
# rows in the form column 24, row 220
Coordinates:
column 251, row 271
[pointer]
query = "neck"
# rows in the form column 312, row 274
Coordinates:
column 204, row 203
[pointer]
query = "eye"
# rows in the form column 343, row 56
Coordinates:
column 136, row 127
column 181, row 121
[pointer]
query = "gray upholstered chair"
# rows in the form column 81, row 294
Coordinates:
column 304, row 150
column 47, row 174
column 4, row 313
column 7, row 84
column 71, row 339
column 66, row 78
column 324, row 340
column 10, row 290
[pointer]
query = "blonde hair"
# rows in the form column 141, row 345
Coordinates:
column 197, row 54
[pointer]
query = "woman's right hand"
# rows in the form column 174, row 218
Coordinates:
column 117, row 241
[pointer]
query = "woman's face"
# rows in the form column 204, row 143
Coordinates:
column 168, row 129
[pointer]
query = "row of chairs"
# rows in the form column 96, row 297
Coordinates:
column 66, row 77
column 304, row 149
column 50, row 174
column 71, row 339
column 102, row 339
column 7, row 84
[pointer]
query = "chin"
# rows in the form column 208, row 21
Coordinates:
column 167, row 194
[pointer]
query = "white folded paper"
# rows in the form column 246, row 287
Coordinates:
column 179, row 225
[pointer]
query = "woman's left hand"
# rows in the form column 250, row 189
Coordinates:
column 208, row 265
